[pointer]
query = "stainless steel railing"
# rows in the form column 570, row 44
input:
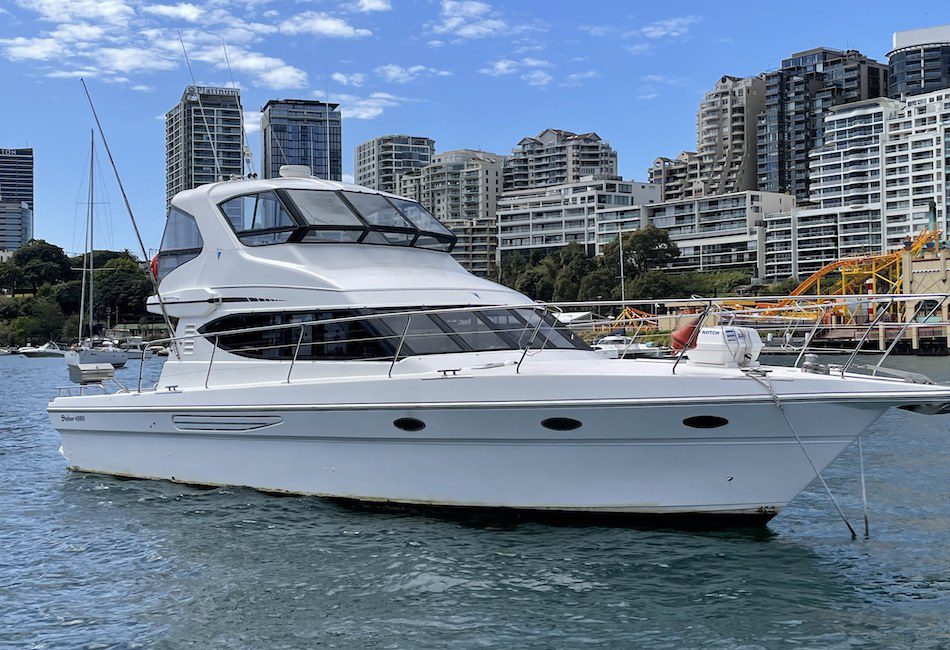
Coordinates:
column 808, row 313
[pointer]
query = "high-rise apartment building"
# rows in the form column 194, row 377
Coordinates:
column 713, row 233
column 552, row 216
column 726, row 135
column 16, row 224
column 297, row 132
column 919, row 62
column 725, row 159
column 409, row 184
column 882, row 165
column 461, row 189
column 678, row 177
column 555, row 157
column 380, row 161
column 16, row 176
column 797, row 97
column 204, row 139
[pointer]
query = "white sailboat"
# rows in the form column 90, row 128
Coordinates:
column 91, row 351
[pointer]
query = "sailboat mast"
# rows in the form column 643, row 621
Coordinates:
column 92, row 221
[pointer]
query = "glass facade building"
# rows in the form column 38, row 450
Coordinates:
column 16, row 176
column 797, row 97
column 204, row 139
column 16, row 224
column 919, row 62
column 296, row 132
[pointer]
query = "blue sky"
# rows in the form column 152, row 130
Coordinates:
column 477, row 74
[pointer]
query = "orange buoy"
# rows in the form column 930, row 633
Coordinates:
column 680, row 338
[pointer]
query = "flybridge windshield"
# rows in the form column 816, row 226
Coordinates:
column 323, row 216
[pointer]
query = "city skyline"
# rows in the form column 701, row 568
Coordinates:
column 469, row 75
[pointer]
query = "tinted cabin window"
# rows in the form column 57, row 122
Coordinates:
column 378, row 211
column 181, row 242
column 377, row 337
column 259, row 219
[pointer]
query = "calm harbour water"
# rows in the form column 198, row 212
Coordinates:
column 97, row 562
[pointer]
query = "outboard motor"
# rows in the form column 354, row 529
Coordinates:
column 732, row 347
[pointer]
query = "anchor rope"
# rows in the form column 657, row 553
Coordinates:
column 864, row 491
column 766, row 382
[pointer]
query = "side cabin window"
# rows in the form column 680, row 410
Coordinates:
column 375, row 335
column 181, row 242
column 259, row 219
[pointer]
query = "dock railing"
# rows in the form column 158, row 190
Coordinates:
column 531, row 327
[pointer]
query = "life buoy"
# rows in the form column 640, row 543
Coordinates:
column 153, row 266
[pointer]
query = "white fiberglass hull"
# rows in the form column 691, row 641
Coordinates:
column 624, row 459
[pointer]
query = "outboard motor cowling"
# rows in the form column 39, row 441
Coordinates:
column 732, row 347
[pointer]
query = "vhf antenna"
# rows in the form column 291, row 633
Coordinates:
column 204, row 118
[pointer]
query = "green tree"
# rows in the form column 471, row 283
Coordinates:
column 41, row 263
column 11, row 277
column 648, row 248
column 121, row 285
column 536, row 283
column 574, row 267
column 601, row 283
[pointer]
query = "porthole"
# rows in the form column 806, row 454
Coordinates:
column 409, row 424
column 705, row 422
column 561, row 424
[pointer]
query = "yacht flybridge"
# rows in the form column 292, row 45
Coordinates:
column 328, row 344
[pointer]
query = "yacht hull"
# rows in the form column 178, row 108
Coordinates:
column 622, row 460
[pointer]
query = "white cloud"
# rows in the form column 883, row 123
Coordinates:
column 537, row 78
column 500, row 67
column 72, row 74
column 577, row 78
column 142, row 88
column 268, row 71
column 348, row 178
column 321, row 24
column 77, row 32
column 132, row 59
column 181, row 11
column 670, row 28
column 468, row 19
column 36, row 49
column 365, row 108
column 664, row 80
column 398, row 74
column 596, row 30
column 252, row 122
column 373, row 5
column 640, row 48
column 349, row 79
column 72, row 11
column 511, row 66
column 648, row 96
column 435, row 43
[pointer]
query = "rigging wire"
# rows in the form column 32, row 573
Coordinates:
column 204, row 117
column 864, row 490
column 135, row 225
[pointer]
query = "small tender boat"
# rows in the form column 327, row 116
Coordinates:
column 626, row 347
column 134, row 348
column 50, row 349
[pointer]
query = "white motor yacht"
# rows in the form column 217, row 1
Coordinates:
column 49, row 349
column 328, row 344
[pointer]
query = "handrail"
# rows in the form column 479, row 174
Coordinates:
column 864, row 338
column 900, row 334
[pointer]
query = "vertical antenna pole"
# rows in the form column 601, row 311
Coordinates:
column 135, row 225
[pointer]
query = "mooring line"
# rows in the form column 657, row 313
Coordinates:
column 764, row 380
column 864, row 491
